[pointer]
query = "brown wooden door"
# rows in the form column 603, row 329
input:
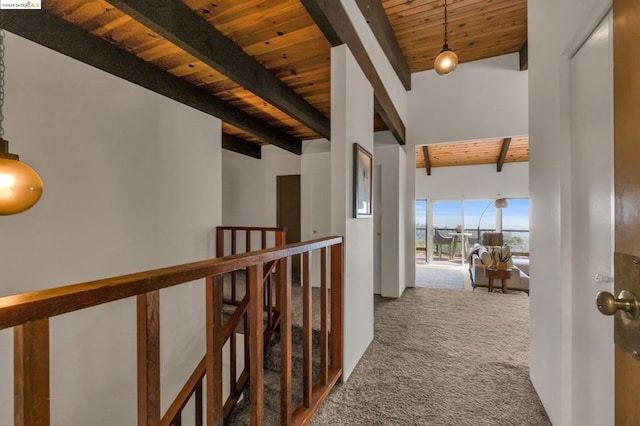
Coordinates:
column 288, row 211
column 626, row 86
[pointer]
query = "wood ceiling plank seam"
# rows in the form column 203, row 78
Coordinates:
column 472, row 12
column 289, row 15
column 280, row 42
column 507, row 33
column 243, row 38
column 514, row 21
column 64, row 37
column 173, row 20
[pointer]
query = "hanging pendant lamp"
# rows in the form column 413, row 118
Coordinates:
column 447, row 60
column 20, row 185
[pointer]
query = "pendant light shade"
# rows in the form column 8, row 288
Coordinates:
column 20, row 185
column 447, row 60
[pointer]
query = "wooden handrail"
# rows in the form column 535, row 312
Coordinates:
column 26, row 307
column 29, row 314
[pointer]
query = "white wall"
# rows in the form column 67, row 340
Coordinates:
column 249, row 185
column 131, row 182
column 556, row 30
column 473, row 182
column 315, row 183
column 392, row 159
column 351, row 121
column 479, row 100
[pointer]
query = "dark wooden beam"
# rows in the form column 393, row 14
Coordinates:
column 503, row 152
column 176, row 22
column 334, row 22
column 427, row 162
column 55, row 33
column 241, row 146
column 378, row 21
column 524, row 56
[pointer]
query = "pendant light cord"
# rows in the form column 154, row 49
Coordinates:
column 2, row 34
column 445, row 22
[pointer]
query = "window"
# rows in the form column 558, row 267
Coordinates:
column 515, row 224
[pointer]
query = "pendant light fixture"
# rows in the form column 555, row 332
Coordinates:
column 447, row 60
column 20, row 185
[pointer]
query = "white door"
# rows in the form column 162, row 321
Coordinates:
column 377, row 224
column 592, row 212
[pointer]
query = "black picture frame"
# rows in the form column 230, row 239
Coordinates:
column 362, row 182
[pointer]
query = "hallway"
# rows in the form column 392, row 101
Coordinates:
column 442, row 357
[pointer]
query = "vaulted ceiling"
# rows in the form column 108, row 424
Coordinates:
column 263, row 66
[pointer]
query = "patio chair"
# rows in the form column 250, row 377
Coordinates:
column 439, row 241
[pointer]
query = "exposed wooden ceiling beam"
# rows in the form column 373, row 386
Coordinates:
column 334, row 22
column 239, row 145
column 427, row 162
column 55, row 33
column 377, row 19
column 503, row 152
column 176, row 22
column 524, row 56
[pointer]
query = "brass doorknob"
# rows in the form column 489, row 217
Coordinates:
column 626, row 301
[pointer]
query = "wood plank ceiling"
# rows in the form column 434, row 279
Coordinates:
column 478, row 29
column 487, row 151
column 282, row 37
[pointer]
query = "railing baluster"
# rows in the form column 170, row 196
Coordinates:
column 198, row 403
column 270, row 300
column 31, row 374
column 280, row 240
column 219, row 242
column 214, row 294
column 233, row 274
column 247, row 244
column 284, row 284
column 307, row 350
column 233, row 374
column 178, row 420
column 148, row 325
column 324, row 319
column 256, row 370
column 264, row 240
column 336, row 306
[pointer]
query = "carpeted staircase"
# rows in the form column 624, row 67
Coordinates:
column 241, row 413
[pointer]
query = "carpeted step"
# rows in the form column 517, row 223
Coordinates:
column 241, row 415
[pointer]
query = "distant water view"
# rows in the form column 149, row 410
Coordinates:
column 471, row 214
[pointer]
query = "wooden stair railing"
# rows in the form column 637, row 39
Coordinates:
column 29, row 314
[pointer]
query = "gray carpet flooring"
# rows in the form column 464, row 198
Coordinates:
column 430, row 277
column 442, row 357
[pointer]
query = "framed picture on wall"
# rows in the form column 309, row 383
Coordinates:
column 362, row 182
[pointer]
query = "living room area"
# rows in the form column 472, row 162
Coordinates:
column 472, row 227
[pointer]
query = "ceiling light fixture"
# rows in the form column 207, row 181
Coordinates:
column 20, row 185
column 447, row 60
